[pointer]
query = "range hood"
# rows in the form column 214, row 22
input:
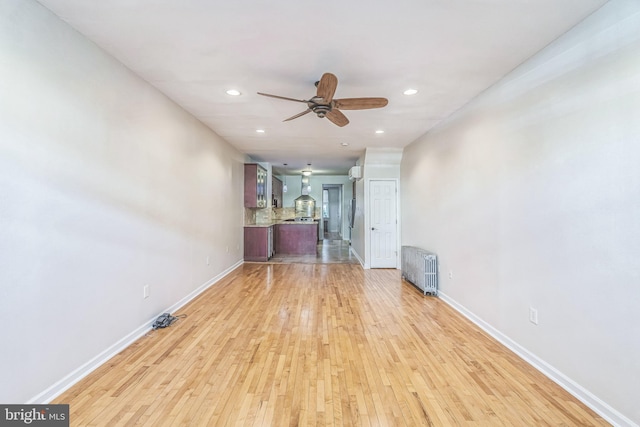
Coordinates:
column 305, row 204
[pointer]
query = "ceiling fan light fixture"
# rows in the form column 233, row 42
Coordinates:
column 233, row 92
column 410, row 92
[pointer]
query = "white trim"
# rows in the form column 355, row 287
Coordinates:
column 596, row 404
column 202, row 288
column 355, row 254
column 74, row 377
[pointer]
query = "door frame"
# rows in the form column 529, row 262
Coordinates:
column 338, row 205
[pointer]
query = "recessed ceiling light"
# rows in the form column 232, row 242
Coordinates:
column 345, row 144
column 379, row 131
column 260, row 130
column 410, row 91
column 233, row 92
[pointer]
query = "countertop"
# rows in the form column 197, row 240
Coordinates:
column 282, row 221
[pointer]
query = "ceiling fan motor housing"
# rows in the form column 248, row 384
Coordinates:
column 321, row 110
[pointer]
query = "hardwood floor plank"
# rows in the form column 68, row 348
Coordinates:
column 319, row 344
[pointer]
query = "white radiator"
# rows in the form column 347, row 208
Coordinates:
column 420, row 267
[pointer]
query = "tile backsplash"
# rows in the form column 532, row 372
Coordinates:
column 249, row 216
column 254, row 216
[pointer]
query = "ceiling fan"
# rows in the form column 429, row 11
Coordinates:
column 324, row 105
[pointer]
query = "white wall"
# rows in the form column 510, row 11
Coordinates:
column 377, row 164
column 531, row 197
column 105, row 185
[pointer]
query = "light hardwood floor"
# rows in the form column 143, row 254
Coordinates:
column 320, row 344
column 328, row 251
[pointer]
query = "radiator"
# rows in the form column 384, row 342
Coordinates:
column 420, row 267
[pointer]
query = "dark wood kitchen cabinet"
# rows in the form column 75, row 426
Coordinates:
column 258, row 243
column 296, row 238
column 255, row 186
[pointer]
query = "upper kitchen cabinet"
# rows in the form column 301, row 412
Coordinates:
column 276, row 190
column 255, row 186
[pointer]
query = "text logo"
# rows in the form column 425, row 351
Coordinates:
column 34, row 415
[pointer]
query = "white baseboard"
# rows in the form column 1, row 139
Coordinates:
column 202, row 288
column 68, row 381
column 355, row 254
column 75, row 376
column 597, row 405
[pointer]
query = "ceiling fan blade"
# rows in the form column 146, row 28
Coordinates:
column 337, row 118
column 359, row 103
column 282, row 97
column 307, row 111
column 327, row 86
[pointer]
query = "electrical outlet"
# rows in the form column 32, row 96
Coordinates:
column 450, row 274
column 208, row 260
column 145, row 291
column 533, row 315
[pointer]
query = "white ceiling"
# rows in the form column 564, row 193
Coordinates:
column 194, row 50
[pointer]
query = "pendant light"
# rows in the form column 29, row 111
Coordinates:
column 284, row 187
column 307, row 172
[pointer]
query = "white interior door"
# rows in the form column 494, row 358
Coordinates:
column 384, row 224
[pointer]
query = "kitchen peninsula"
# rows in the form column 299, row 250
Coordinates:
column 287, row 237
column 296, row 237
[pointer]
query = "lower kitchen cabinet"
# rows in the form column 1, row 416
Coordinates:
column 258, row 243
column 297, row 238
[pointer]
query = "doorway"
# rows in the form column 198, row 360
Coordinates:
column 332, row 211
column 384, row 223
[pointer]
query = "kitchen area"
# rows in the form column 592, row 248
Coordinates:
column 285, row 222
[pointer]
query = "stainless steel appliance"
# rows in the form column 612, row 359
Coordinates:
column 305, row 205
column 351, row 213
